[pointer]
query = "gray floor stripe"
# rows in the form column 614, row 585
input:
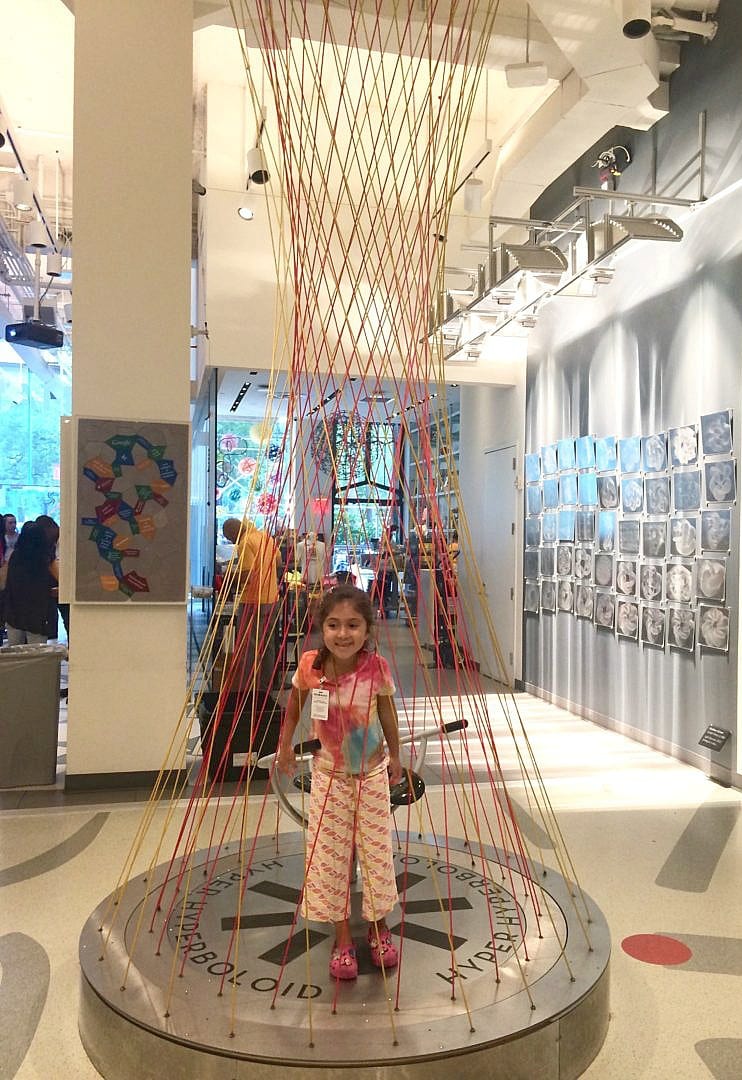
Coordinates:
column 692, row 862
column 711, row 955
column 56, row 856
column 721, row 1057
column 23, row 993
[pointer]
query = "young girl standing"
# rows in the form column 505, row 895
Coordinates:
column 353, row 715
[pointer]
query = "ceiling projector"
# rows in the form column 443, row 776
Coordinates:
column 34, row 334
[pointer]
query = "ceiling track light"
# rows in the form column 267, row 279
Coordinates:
column 530, row 73
column 473, row 191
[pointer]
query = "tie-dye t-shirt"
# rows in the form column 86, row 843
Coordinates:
column 351, row 736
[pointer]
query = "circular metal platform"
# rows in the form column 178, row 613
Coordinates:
column 523, row 994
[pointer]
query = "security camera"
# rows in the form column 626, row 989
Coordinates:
column 637, row 18
column 197, row 187
column 257, row 169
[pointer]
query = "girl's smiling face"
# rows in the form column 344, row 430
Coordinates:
column 344, row 632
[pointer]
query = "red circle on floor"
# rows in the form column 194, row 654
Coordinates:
column 656, row 949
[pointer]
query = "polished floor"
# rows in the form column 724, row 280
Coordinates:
column 655, row 843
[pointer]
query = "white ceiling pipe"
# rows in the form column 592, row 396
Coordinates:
column 686, row 26
column 702, row 7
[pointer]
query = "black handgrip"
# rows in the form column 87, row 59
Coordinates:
column 307, row 747
column 455, row 725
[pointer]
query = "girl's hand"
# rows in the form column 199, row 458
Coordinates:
column 286, row 760
column 395, row 770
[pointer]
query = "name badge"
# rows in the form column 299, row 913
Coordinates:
column 320, row 704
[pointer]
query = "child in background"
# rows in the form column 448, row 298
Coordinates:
column 353, row 714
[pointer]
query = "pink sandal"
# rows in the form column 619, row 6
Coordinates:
column 383, row 950
column 343, row 962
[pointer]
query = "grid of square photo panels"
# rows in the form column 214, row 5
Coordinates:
column 634, row 533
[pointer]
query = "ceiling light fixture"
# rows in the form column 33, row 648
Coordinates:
column 246, row 213
column 36, row 238
column 528, row 74
column 22, row 194
column 473, row 190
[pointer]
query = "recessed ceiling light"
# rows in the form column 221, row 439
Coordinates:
column 246, row 213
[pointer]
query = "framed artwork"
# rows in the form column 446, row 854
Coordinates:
column 564, row 560
column 585, row 452
column 626, row 577
column 721, row 482
column 713, row 627
column 716, row 530
column 530, row 564
column 603, row 570
column 585, row 525
column 651, row 581
column 533, row 468
column 632, row 495
column 548, row 561
column 533, row 532
column 533, row 500
column 605, row 610
column 686, row 490
column 654, row 539
column 584, row 602
column 549, row 528
column 588, row 489
column 679, row 582
column 608, row 491
column 583, row 563
column 568, row 489
column 681, row 628
column 131, row 533
column 548, row 596
column 566, row 596
column 716, row 432
column 531, row 595
column 653, row 625
column 629, row 454
column 683, row 536
column 628, row 537
column 683, row 443
column 605, row 454
column 549, row 460
column 606, row 530
column 711, row 579
column 627, row 619
column 657, row 494
column 550, row 490
column 566, row 454
column 566, row 525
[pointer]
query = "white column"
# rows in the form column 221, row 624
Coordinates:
column 132, row 227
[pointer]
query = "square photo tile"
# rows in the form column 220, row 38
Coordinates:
column 626, row 577
column 603, row 570
column 686, row 490
column 549, row 460
column 566, row 454
column 550, row 491
column 588, row 495
column 713, row 627
column 606, row 530
column 583, row 563
column 566, row 524
column 605, row 453
column 657, row 494
column 683, row 536
column 651, row 581
column 548, row 596
column 711, row 579
column 654, row 453
column 716, row 530
column 584, row 601
column 585, row 525
column 568, row 489
column 653, row 625
column 585, row 452
column 630, row 454
column 533, row 499
column 533, row 532
column 681, row 628
column 533, row 467
column 530, row 564
column 632, row 495
column 564, row 560
column 720, row 481
column 531, row 595
column 549, row 528
column 716, row 432
column 605, row 610
column 654, row 539
column 679, row 582
column 566, row 596
column 608, row 491
column 627, row 619
column 628, row 537
column 683, row 444
column 548, row 561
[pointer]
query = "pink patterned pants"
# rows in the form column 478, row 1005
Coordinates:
column 347, row 812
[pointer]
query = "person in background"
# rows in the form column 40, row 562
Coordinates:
column 258, row 568
column 4, row 556
column 31, row 576
column 10, row 534
column 51, row 531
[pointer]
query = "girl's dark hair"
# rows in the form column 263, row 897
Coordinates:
column 360, row 600
column 32, row 548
